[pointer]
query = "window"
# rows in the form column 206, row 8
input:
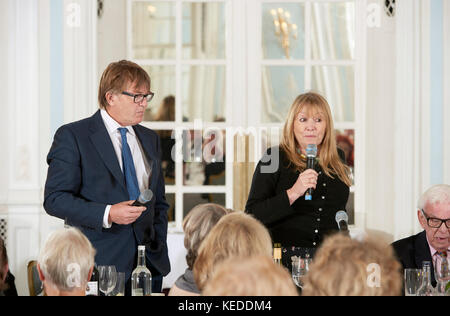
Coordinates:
column 183, row 45
column 197, row 54
column 309, row 45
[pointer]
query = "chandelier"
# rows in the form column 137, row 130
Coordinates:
column 284, row 29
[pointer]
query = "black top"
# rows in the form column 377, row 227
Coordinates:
column 305, row 223
column 186, row 282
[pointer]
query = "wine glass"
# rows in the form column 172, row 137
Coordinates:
column 107, row 279
column 300, row 267
column 442, row 276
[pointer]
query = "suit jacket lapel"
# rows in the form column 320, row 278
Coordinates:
column 102, row 143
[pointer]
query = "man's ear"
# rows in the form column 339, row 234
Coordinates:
column 41, row 275
column 90, row 273
column 422, row 219
column 109, row 96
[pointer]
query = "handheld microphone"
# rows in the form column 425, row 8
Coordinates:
column 311, row 153
column 342, row 221
column 144, row 198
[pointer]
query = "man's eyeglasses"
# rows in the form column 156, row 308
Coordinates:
column 436, row 222
column 138, row 98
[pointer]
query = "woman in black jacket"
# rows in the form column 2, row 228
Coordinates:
column 277, row 195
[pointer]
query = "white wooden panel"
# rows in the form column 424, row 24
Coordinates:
column 23, row 238
column 23, row 95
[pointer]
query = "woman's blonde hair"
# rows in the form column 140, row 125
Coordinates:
column 329, row 158
column 66, row 259
column 236, row 234
column 197, row 224
column 348, row 267
column 250, row 276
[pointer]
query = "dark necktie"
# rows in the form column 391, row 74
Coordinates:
column 128, row 167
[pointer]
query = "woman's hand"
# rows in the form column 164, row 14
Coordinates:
column 306, row 180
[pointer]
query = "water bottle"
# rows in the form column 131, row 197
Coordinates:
column 426, row 289
column 141, row 278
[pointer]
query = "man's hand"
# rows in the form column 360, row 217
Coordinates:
column 123, row 213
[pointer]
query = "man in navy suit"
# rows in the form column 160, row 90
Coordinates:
column 98, row 167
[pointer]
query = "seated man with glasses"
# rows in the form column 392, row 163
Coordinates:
column 433, row 244
column 99, row 166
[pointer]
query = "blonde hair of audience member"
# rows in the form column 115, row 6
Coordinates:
column 66, row 262
column 3, row 265
column 346, row 267
column 236, row 234
column 250, row 276
column 196, row 225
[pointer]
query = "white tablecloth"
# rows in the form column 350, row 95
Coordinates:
column 177, row 257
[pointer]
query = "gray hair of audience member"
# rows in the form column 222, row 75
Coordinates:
column 435, row 194
column 197, row 224
column 67, row 259
column 250, row 276
column 3, row 265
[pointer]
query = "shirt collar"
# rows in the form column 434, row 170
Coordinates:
column 112, row 126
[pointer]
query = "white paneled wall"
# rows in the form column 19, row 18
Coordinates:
column 26, row 113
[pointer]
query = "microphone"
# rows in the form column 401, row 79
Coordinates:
column 311, row 153
column 342, row 221
column 144, row 198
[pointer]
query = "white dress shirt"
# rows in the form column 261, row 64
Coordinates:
column 140, row 162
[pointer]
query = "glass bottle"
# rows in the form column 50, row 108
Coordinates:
column 92, row 285
column 426, row 289
column 141, row 278
column 277, row 253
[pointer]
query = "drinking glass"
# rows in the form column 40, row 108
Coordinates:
column 107, row 279
column 413, row 280
column 442, row 277
column 300, row 267
column 119, row 289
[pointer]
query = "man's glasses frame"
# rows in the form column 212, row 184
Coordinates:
column 138, row 98
column 436, row 222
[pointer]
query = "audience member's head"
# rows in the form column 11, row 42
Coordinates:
column 3, row 265
column 348, row 267
column 166, row 111
column 433, row 210
column 250, row 276
column 196, row 225
column 236, row 234
column 66, row 262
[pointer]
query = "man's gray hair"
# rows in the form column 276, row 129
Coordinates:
column 66, row 259
column 437, row 193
